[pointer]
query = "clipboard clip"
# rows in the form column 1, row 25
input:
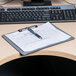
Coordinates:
column 20, row 30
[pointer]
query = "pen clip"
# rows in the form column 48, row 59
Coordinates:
column 20, row 30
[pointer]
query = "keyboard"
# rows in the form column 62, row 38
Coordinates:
column 35, row 14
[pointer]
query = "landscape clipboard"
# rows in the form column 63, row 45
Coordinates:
column 37, row 48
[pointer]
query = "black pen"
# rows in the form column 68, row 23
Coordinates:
column 38, row 36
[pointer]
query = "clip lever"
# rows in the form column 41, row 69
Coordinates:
column 20, row 30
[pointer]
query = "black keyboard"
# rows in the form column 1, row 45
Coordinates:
column 35, row 14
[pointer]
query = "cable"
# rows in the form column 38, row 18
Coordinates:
column 69, row 2
column 6, row 2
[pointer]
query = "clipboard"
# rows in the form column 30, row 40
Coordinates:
column 25, row 42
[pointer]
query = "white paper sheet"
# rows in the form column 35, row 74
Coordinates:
column 29, row 42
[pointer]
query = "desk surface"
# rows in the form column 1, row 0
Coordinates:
column 67, row 49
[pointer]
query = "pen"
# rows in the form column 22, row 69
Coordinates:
column 37, row 35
